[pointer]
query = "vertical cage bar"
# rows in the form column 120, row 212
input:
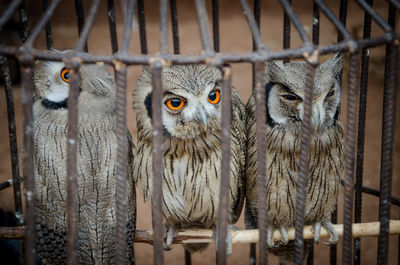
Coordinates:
column 121, row 166
column 254, row 28
column 163, row 26
column 333, row 249
column 361, row 134
column 126, row 38
column 315, row 23
column 225, row 165
column 388, row 125
column 350, row 157
column 215, row 21
column 142, row 27
column 286, row 31
column 12, row 134
column 27, row 158
column 72, row 173
column 188, row 258
column 112, row 26
column 24, row 22
column 257, row 17
column 202, row 20
column 158, row 152
column 342, row 17
column 310, row 254
column 261, row 121
column 80, row 19
column 9, row 12
column 82, row 42
column 49, row 36
column 174, row 23
column 305, row 145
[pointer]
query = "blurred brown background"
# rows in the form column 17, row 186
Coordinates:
column 235, row 36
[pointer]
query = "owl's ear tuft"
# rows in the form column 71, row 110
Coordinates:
column 334, row 64
column 273, row 68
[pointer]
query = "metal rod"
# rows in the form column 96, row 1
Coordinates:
column 255, row 31
column 80, row 18
column 286, row 28
column 388, row 125
column 310, row 254
column 27, row 158
column 142, row 27
column 375, row 16
column 361, row 134
column 81, row 45
column 174, row 23
column 6, row 184
column 342, row 17
column 333, row 249
column 370, row 191
column 157, row 197
column 42, row 23
column 315, row 23
column 350, row 157
column 112, row 25
column 128, row 26
column 188, row 258
column 49, row 36
column 261, row 121
column 215, row 21
column 9, row 12
column 202, row 20
column 24, row 21
column 296, row 22
column 122, row 165
column 394, row 3
column 163, row 26
column 305, row 145
column 225, row 165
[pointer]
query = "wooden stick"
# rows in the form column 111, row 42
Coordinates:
column 238, row 237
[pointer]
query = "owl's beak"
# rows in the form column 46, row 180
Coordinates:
column 202, row 118
column 318, row 115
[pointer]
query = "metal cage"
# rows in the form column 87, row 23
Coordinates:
column 122, row 58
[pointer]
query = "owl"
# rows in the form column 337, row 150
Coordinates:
column 96, row 165
column 191, row 117
column 285, row 84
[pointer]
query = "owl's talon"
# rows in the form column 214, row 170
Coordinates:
column 317, row 232
column 170, row 231
column 270, row 237
column 285, row 236
column 333, row 237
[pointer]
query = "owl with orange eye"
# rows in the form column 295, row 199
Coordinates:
column 96, row 165
column 191, row 117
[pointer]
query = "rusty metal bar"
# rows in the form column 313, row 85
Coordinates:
column 350, row 157
column 130, row 11
column 339, row 24
column 388, row 126
column 49, row 36
column 375, row 16
column 342, row 17
column 261, row 121
column 12, row 137
column 112, row 25
column 395, row 4
column 26, row 62
column 333, row 249
column 310, row 255
column 157, row 197
column 80, row 19
column 286, row 28
column 174, row 23
column 361, row 134
column 6, row 184
column 202, row 20
column 142, row 27
column 80, row 46
column 9, row 12
column 296, row 22
column 163, row 26
column 225, row 165
column 122, row 165
column 315, row 23
column 374, row 192
column 24, row 21
column 215, row 21
column 255, row 31
column 42, row 23
column 72, row 173
column 305, row 145
column 188, row 258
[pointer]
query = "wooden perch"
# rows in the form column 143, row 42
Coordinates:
column 238, row 237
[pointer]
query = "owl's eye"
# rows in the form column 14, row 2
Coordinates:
column 330, row 94
column 214, row 96
column 65, row 75
column 175, row 103
column 290, row 97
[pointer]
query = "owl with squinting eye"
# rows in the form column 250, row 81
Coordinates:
column 285, row 95
column 191, row 117
column 96, row 165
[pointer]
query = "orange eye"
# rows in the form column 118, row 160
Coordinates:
column 214, row 96
column 65, row 75
column 175, row 103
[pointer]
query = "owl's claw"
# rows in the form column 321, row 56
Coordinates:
column 270, row 237
column 333, row 237
column 317, row 232
column 285, row 236
column 169, row 230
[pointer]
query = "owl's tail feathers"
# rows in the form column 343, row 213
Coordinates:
column 195, row 247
